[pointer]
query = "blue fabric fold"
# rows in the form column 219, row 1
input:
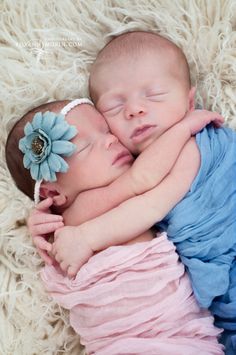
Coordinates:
column 203, row 228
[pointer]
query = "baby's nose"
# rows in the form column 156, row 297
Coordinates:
column 110, row 139
column 137, row 113
column 135, row 110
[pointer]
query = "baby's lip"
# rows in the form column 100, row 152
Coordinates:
column 141, row 129
column 122, row 154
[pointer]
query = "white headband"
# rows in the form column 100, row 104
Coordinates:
column 64, row 111
column 74, row 103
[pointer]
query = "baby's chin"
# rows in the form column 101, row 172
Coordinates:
column 122, row 169
column 142, row 146
column 139, row 148
column 126, row 167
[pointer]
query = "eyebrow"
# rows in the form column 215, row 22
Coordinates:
column 106, row 96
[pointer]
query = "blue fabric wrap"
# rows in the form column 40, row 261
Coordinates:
column 203, row 228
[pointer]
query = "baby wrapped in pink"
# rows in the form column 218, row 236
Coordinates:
column 135, row 299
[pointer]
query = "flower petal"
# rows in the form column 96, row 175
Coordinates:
column 45, row 170
column 58, row 131
column 49, row 119
column 70, row 133
column 28, row 140
column 53, row 176
column 60, row 119
column 28, row 129
column 54, row 162
column 64, row 166
column 26, row 161
column 63, row 147
column 37, row 120
column 22, row 145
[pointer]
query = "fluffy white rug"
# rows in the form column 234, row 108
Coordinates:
column 46, row 50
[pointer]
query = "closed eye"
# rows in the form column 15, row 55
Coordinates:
column 80, row 150
column 106, row 131
column 113, row 110
column 156, row 96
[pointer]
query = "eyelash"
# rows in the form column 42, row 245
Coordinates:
column 118, row 105
column 85, row 147
column 157, row 96
column 113, row 111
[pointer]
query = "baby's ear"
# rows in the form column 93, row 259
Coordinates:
column 191, row 98
column 51, row 190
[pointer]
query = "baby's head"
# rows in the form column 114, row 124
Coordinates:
column 70, row 152
column 140, row 82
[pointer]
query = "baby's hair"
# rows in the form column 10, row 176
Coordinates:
column 134, row 44
column 14, row 157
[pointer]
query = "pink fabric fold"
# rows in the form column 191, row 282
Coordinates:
column 135, row 299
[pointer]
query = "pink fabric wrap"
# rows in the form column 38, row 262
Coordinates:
column 135, row 299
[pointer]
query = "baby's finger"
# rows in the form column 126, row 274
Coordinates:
column 42, row 244
column 57, row 257
column 57, row 233
column 46, row 258
column 218, row 122
column 46, row 217
column 72, row 272
column 54, row 250
column 217, row 116
column 44, row 204
column 64, row 266
column 46, row 228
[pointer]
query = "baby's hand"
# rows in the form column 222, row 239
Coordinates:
column 41, row 223
column 199, row 119
column 70, row 249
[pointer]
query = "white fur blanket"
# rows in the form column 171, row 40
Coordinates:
column 46, row 48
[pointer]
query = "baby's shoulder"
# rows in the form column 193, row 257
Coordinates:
column 190, row 159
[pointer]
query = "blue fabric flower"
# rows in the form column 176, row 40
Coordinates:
column 46, row 140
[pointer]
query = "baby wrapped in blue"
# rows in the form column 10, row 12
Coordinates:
column 203, row 228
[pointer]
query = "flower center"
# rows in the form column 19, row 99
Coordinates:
column 37, row 145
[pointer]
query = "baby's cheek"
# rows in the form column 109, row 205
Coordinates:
column 172, row 116
column 101, row 170
column 114, row 126
column 125, row 140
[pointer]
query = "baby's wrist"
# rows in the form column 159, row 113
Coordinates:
column 88, row 237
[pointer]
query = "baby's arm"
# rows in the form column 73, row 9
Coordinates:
column 128, row 220
column 145, row 210
column 147, row 171
column 156, row 161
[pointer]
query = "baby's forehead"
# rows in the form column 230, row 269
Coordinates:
column 152, row 57
column 132, row 44
column 86, row 118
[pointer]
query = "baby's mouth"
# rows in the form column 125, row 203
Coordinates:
column 142, row 132
column 122, row 157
